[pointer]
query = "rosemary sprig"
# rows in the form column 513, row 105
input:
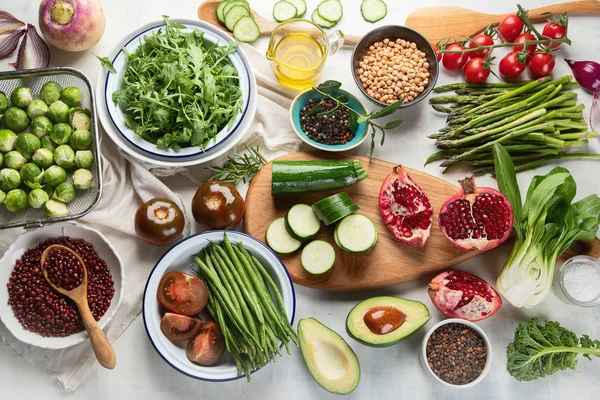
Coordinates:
column 240, row 167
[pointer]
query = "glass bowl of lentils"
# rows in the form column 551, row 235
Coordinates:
column 38, row 315
column 325, row 124
column 456, row 353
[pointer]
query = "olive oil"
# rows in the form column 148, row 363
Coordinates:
column 298, row 57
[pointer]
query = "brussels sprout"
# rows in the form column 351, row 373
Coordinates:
column 64, row 156
column 16, row 119
column 82, row 179
column 61, row 133
column 7, row 140
column 81, row 139
column 80, row 119
column 43, row 158
column 64, row 192
column 48, row 143
column 58, row 112
column 56, row 209
column 2, row 196
column 50, row 92
column 9, row 179
column 27, row 144
column 37, row 198
column 14, row 159
column 21, row 97
column 41, row 126
column 31, row 173
column 83, row 159
column 48, row 189
column 37, row 108
column 1, row 159
column 72, row 96
column 16, row 200
column 3, row 102
column 55, row 175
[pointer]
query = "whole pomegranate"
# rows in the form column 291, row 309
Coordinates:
column 405, row 208
column 462, row 295
column 476, row 217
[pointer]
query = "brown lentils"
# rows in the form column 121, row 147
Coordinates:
column 392, row 70
column 456, row 354
column 332, row 128
column 64, row 269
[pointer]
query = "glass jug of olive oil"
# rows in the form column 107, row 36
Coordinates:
column 298, row 49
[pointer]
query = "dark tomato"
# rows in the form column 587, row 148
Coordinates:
column 521, row 39
column 438, row 55
column 159, row 221
column 182, row 293
column 208, row 346
column 553, row 30
column 179, row 327
column 474, row 71
column 510, row 67
column 218, row 205
column 510, row 28
column 541, row 64
column 483, row 40
column 454, row 61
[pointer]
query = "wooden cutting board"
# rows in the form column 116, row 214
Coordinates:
column 442, row 22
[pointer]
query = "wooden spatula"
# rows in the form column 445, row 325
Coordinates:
column 441, row 22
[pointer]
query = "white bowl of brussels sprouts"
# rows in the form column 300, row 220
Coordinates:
column 49, row 154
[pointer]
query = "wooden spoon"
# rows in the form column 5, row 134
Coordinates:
column 102, row 347
column 443, row 22
column 207, row 13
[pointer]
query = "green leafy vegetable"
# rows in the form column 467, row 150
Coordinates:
column 239, row 168
column 179, row 90
column 106, row 63
column 545, row 225
column 541, row 350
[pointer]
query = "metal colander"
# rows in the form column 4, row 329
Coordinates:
column 85, row 200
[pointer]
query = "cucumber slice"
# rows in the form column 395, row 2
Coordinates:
column 331, row 10
column 246, row 30
column 219, row 10
column 323, row 23
column 336, row 216
column 373, row 10
column 300, row 6
column 324, row 212
column 279, row 239
column 284, row 10
column 318, row 257
column 356, row 234
column 302, row 223
column 338, row 198
column 231, row 3
column 234, row 14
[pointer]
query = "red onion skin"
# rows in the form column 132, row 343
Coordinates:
column 9, row 22
column 10, row 42
column 82, row 32
column 587, row 74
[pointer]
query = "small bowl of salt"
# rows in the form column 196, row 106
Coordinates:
column 579, row 281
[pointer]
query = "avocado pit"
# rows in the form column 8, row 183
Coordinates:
column 383, row 320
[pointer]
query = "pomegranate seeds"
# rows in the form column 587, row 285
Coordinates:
column 64, row 269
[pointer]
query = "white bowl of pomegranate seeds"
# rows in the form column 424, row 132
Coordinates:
column 37, row 315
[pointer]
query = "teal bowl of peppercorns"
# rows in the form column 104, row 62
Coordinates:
column 327, row 119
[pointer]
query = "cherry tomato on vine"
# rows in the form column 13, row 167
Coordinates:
column 541, row 64
column 521, row 39
column 554, row 30
column 510, row 67
column 455, row 61
column 435, row 49
column 474, row 71
column 483, row 40
column 510, row 27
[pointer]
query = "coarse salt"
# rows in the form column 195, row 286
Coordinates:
column 582, row 281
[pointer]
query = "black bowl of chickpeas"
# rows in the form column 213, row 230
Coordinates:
column 393, row 63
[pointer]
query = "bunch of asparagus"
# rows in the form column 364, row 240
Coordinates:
column 536, row 122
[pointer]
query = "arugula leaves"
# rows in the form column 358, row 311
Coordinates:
column 106, row 63
column 179, row 90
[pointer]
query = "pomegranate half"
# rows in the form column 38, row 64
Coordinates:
column 405, row 208
column 459, row 294
column 476, row 217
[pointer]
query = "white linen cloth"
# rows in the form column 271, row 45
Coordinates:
column 128, row 184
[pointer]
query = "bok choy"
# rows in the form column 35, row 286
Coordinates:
column 545, row 226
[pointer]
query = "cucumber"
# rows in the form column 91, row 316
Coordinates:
column 231, row 3
column 373, row 10
column 317, row 257
column 337, row 215
column 279, row 239
column 356, row 234
column 323, row 23
column 234, row 14
column 331, row 10
column 293, row 177
column 219, row 10
column 302, row 223
column 326, row 211
column 300, row 6
column 284, row 10
column 246, row 30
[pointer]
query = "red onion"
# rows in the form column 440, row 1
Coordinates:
column 587, row 74
column 33, row 52
column 9, row 40
column 8, row 22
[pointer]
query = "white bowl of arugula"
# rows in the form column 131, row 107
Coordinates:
column 180, row 92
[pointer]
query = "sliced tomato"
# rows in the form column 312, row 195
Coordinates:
column 182, row 293
column 179, row 327
column 208, row 346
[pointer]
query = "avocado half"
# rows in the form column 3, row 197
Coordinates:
column 329, row 359
column 416, row 314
